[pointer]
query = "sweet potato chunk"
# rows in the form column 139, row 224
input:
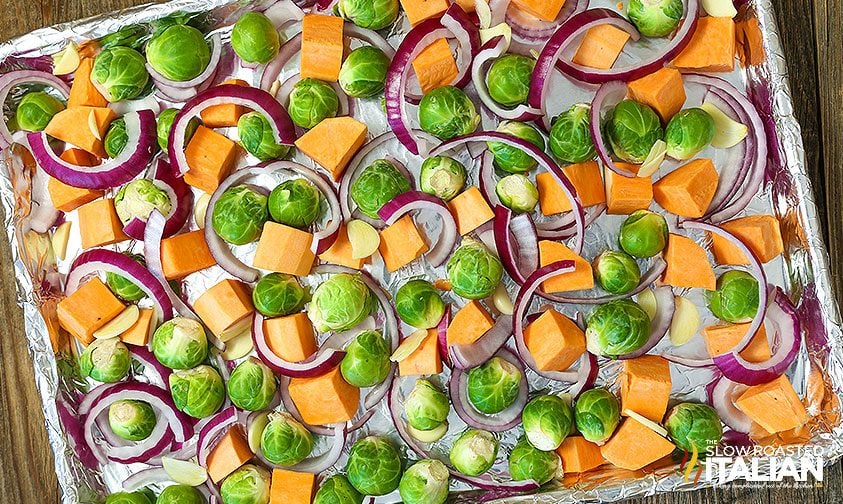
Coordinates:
column 99, row 224
column 760, row 233
column 284, row 249
column 554, row 341
column 229, row 454
column 326, row 399
column 600, row 47
column 184, row 254
column 82, row 92
column 401, row 243
column 581, row 278
column 291, row 337
column 662, row 90
column 321, row 47
column 333, row 142
column 435, row 66
column 712, row 47
column 546, row 10
column 425, row 360
column 340, row 252
column 290, row 487
column 226, row 308
column 586, row 179
column 722, row 338
column 141, row 332
column 470, row 323
column 66, row 197
column 774, row 405
column 625, row 195
column 579, row 455
column 687, row 191
column 76, row 125
column 227, row 114
column 470, row 210
column 687, row 264
column 645, row 386
column 419, row 10
column 635, row 445
column 86, row 310
column 210, row 157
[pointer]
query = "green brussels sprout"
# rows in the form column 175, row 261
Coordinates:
column 376, row 185
column 180, row 494
column 632, row 130
column 337, row 490
column 366, row 361
column 547, row 421
column 597, row 414
column 419, row 304
column 655, row 18
column 426, row 406
column 278, row 294
column 138, row 198
column 115, row 138
column 442, row 176
column 518, row 193
column 509, row 79
column 128, row 498
column 474, row 272
column 179, row 53
column 493, row 385
column 258, row 139
column 616, row 272
column 295, row 203
column 106, row 360
column 643, row 234
column 131, row 420
column 285, row 441
column 363, row 72
column 255, row 39
column 374, row 466
column 736, row 297
column 247, row 485
column 180, row 343
column 240, row 214
column 512, row 159
column 446, row 112
column 165, row 124
column 36, row 109
column 474, row 452
column 251, row 385
column 688, row 132
column 312, row 101
column 340, row 303
column 198, row 392
column 570, row 135
column 121, row 286
column 694, row 426
column 529, row 463
column 120, row 73
column 616, row 328
column 129, row 36
column 371, row 14
column 425, row 482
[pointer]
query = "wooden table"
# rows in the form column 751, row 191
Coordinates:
column 811, row 34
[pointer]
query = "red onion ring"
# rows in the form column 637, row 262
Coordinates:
column 442, row 336
column 273, row 69
column 319, row 463
column 180, row 196
column 42, row 214
column 665, row 308
column 282, row 13
column 152, row 368
column 472, row 355
column 75, row 434
column 213, row 432
column 409, row 201
column 564, row 227
column 517, row 243
column 18, row 77
column 370, row 37
column 490, row 51
column 486, row 178
column 144, row 478
column 721, row 395
column 650, row 276
column 166, row 84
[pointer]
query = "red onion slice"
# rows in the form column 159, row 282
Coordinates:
column 42, row 214
column 18, row 77
column 180, row 195
column 665, row 308
column 368, row 36
column 273, row 69
column 490, row 51
column 320, row 363
column 722, row 398
column 208, row 73
column 409, row 201
column 486, row 178
column 283, row 13
column 144, row 478
column 650, row 276
column 326, row 460
column 564, row 227
column 75, row 434
column 158, row 372
column 442, row 336
column 468, row 356
column 517, row 243
column 213, row 432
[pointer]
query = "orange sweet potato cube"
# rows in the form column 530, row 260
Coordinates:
column 321, row 47
column 227, row 114
column 581, row 278
column 425, row 360
column 600, row 47
column 546, row 10
column 419, row 10
column 586, row 179
column 635, row 445
column 687, row 191
column 722, row 338
column 401, row 243
column 184, row 254
column 229, row 454
column 625, row 195
column 141, row 332
column 326, row 399
column 99, row 224
column 74, row 126
column 470, row 210
column 291, row 337
column 579, row 455
column 645, row 386
column 554, row 341
column 687, row 264
column 435, row 66
column 760, row 233
column 712, row 46
column 774, row 406
column 82, row 92
column 290, row 487
column 470, row 323
column 226, row 308
column 86, row 310
column 662, row 90
column 284, row 249
column 210, row 157
column 333, row 142
column 340, row 252
column 66, row 197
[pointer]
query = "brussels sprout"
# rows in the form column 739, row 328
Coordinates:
column 120, row 73
column 426, row 406
column 131, row 420
column 247, row 485
column 446, row 112
column 688, row 132
column 518, row 193
column 376, row 185
column 251, row 385
column 337, row 490
column 597, row 414
column 36, row 109
column 121, row 286
column 442, row 176
column 643, row 234
column 617, row 272
column 374, row 466
column 106, row 360
column 547, row 421
column 694, row 426
column 529, row 463
column 736, row 297
column 115, row 138
column 295, row 203
column 258, row 139
column 128, row 498
column 493, row 385
column 425, row 482
column 419, row 304
column 509, row 79
column 285, row 441
column 199, row 392
column 366, row 362
column 311, row 101
column 363, row 72
column 255, row 39
column 570, row 135
column 179, row 53
column 655, row 18
column 616, row 328
column 165, row 124
column 371, row 14
column 278, row 294
column 474, row 452
column 180, row 343
column 474, row 272
column 180, row 494
column 632, row 130
column 138, row 198
column 240, row 214
column 340, row 303
column 512, row 159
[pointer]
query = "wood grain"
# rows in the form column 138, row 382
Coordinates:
column 813, row 42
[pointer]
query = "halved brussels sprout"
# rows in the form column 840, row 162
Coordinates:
column 285, row 441
column 247, row 485
column 474, row 452
column 643, row 234
column 374, row 466
column 363, row 72
column 688, row 132
column 340, row 303
column 198, row 392
column 115, row 138
column 128, row 498
column 255, row 39
column 474, row 272
column 165, row 124
column 570, row 135
column 425, row 482
column 442, row 176
column 426, row 406
column 295, row 203
column 36, row 109
column 138, row 198
column 616, row 328
column 251, row 385
column 446, row 112
column 694, row 426
column 509, row 79
column 179, row 52
column 312, row 101
column 278, row 294
column 337, row 490
column 366, row 361
column 529, row 463
column 258, row 139
column 518, row 193
column 121, row 286
column 180, row 343
column 239, row 215
column 616, row 272
column 655, row 18
column 493, row 385
column 736, row 297
column 597, row 414
column 632, row 130
column 106, row 360
column 376, row 185
column 180, row 494
column 419, row 304
column 120, row 73
column 371, row 14
column 131, row 420
column 547, row 421
column 511, row 159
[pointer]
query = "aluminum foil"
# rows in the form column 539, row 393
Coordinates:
column 802, row 271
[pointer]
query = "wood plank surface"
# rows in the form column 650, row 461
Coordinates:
column 812, row 34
